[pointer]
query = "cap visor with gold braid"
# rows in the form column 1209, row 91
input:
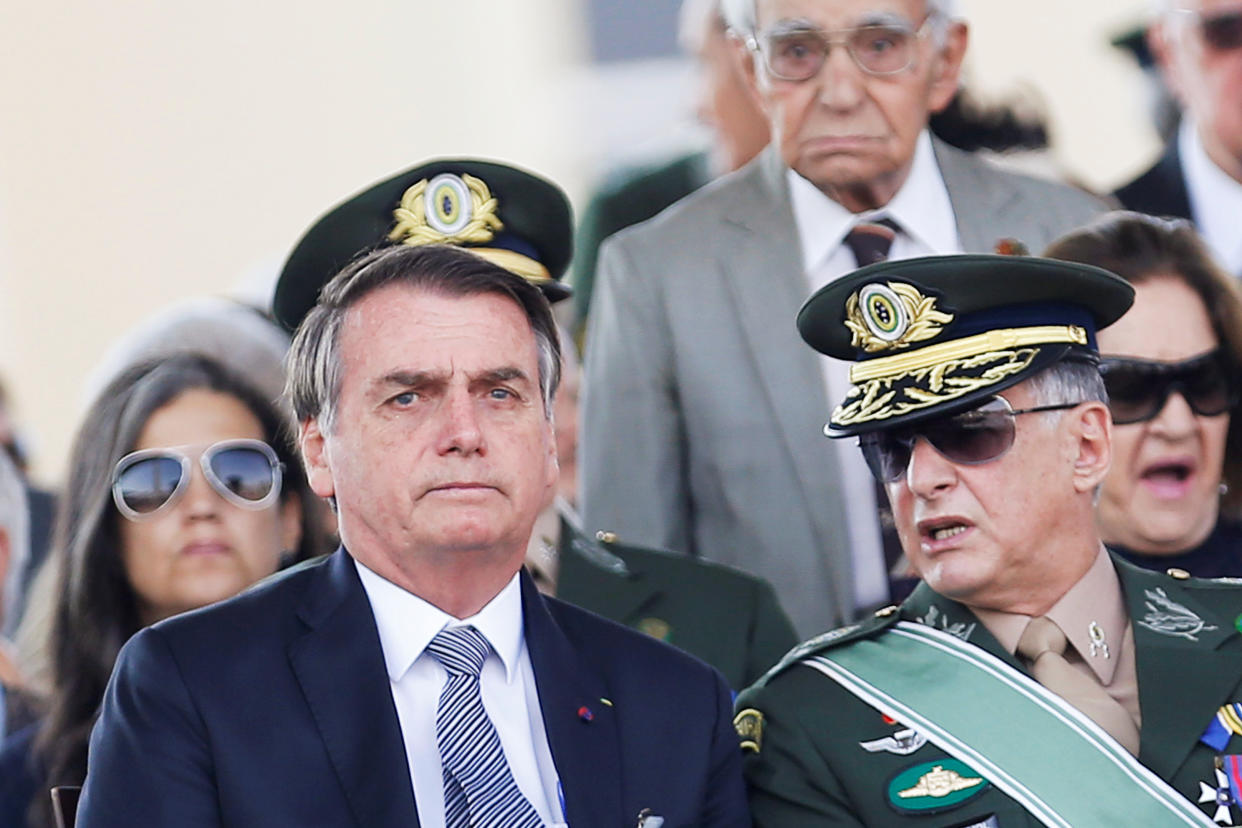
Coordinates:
column 512, row 217
column 939, row 334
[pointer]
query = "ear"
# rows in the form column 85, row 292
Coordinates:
column 313, row 443
column 552, row 467
column 947, row 72
column 1160, row 40
column 1093, row 436
column 744, row 62
column 290, row 523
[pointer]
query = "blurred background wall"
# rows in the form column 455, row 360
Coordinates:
column 151, row 151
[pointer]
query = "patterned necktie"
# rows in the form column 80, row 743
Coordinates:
column 479, row 790
column 870, row 243
column 1043, row 645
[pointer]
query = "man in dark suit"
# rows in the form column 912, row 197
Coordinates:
column 1198, row 47
column 1031, row 679
column 416, row 676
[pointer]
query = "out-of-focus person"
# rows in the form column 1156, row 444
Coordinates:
column 1173, row 496
column 726, row 617
column 725, row 104
column 698, row 400
column 1198, row 46
column 182, row 490
column 14, row 548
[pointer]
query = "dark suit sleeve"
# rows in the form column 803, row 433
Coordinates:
column 790, row 781
column 726, row 805
column 149, row 762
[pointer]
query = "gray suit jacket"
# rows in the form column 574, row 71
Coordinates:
column 703, row 411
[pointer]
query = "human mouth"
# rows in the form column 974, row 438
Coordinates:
column 938, row 534
column 205, row 547
column 1168, row 479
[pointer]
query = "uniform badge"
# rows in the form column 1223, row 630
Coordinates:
column 749, row 726
column 934, row 786
column 657, row 628
column 1167, row 617
column 1226, row 724
column 903, row 743
column 936, row 619
column 1221, row 796
column 891, row 315
column 448, row 209
column 1099, row 645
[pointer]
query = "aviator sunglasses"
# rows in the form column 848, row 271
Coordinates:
column 1139, row 388
column 1221, row 32
column 969, row 438
column 246, row 473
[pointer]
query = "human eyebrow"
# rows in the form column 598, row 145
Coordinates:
column 791, row 26
column 884, row 19
column 415, row 380
column 497, row 376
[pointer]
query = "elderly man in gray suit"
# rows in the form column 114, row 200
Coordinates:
column 700, row 407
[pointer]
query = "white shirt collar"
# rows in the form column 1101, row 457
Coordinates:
column 407, row 623
column 1215, row 199
column 921, row 208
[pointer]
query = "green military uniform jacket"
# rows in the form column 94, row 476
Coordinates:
column 727, row 618
column 812, row 769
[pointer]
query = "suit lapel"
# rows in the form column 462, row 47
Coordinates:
column 761, row 266
column 340, row 665
column 980, row 201
column 586, row 748
column 1184, row 674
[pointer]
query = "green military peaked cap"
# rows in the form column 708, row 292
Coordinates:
column 511, row 217
column 938, row 334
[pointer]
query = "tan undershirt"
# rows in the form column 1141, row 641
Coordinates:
column 1097, row 598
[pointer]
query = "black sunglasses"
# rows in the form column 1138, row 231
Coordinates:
column 1139, row 388
column 969, row 438
column 1221, row 32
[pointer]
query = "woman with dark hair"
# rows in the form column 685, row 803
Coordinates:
column 183, row 490
column 1173, row 496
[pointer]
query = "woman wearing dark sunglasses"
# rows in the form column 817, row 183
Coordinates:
column 1173, row 497
column 183, row 490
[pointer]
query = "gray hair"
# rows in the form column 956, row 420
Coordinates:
column 15, row 522
column 314, row 365
column 741, row 17
column 1069, row 381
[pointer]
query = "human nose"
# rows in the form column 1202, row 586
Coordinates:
column 200, row 500
column 1176, row 419
column 928, row 472
column 460, row 429
column 840, row 79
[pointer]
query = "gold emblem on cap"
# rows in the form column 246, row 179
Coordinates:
column 892, row 315
column 448, row 209
column 749, row 726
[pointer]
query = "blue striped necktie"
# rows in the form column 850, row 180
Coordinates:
column 479, row 790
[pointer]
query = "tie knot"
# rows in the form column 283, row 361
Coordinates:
column 460, row 650
column 870, row 241
column 1041, row 636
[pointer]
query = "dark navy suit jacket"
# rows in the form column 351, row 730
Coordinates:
column 1161, row 190
column 274, row 708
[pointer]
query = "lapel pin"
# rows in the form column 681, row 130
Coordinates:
column 646, row 819
column 605, row 702
column 1099, row 645
column 585, row 713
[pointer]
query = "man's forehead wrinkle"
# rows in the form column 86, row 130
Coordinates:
column 800, row 25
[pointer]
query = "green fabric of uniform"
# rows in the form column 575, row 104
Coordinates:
column 812, row 771
column 626, row 198
column 727, row 618
column 1038, row 750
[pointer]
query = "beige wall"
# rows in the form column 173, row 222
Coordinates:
column 153, row 150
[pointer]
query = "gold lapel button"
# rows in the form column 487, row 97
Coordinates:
column 1178, row 574
column 885, row 612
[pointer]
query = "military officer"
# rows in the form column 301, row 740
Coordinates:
column 523, row 222
column 1031, row 679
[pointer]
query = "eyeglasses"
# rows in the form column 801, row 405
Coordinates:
column 969, row 438
column 1221, row 32
column 877, row 49
column 1139, row 388
column 246, row 473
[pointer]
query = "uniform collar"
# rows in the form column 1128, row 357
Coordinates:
column 921, row 208
column 1096, row 599
column 407, row 623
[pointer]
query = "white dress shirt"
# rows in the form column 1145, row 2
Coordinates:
column 922, row 210
column 1215, row 199
column 406, row 626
